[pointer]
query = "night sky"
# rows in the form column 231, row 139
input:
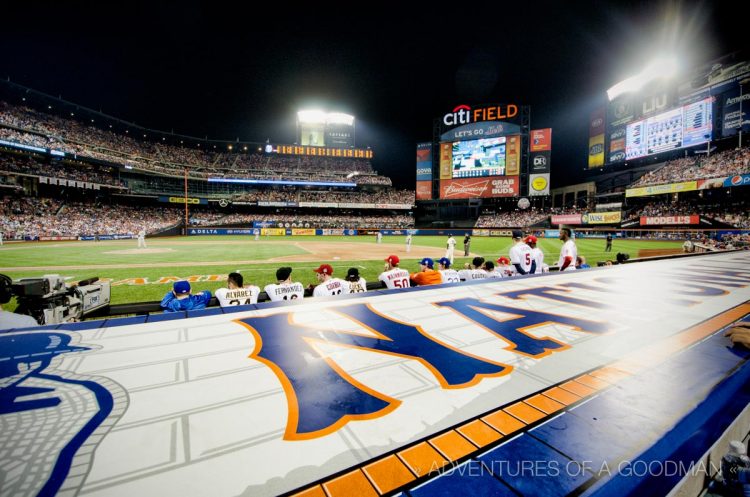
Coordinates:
column 203, row 68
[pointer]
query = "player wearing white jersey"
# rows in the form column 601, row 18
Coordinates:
column 408, row 243
column 142, row 239
column 449, row 275
column 357, row 284
column 504, row 267
column 329, row 285
column 489, row 267
column 450, row 248
column 568, row 252
column 475, row 271
column 520, row 254
column 236, row 293
column 285, row 289
column 536, row 252
column 392, row 275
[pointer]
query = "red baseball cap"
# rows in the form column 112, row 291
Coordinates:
column 392, row 259
column 530, row 239
column 324, row 269
column 503, row 260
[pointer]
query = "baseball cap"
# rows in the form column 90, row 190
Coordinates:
column 427, row 262
column 283, row 273
column 503, row 260
column 324, row 269
column 392, row 259
column 477, row 261
column 352, row 273
column 517, row 234
column 445, row 261
column 181, row 287
column 530, row 239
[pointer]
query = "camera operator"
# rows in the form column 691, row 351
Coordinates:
column 11, row 319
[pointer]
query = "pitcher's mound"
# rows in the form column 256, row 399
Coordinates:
column 137, row 251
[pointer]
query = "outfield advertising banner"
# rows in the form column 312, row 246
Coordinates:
column 180, row 200
column 446, row 160
column 541, row 140
column 596, row 151
column 220, row 231
column 668, row 220
column 303, row 231
column 738, row 180
column 539, row 162
column 492, row 186
column 424, row 190
column 424, row 161
column 538, row 184
column 643, row 191
column 602, row 218
column 566, row 219
column 513, row 156
column 596, row 138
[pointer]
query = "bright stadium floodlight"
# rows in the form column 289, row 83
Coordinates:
column 311, row 116
column 339, row 118
column 661, row 68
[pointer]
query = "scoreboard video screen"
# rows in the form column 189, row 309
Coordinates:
column 479, row 158
column 678, row 128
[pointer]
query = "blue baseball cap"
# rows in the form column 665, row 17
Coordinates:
column 427, row 262
column 181, row 287
column 445, row 262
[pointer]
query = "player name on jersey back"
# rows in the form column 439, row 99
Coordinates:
column 285, row 292
column 334, row 286
column 237, row 296
column 450, row 276
column 395, row 278
column 472, row 274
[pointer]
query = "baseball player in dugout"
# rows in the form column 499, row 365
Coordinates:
column 449, row 275
column 536, row 252
column 568, row 252
column 328, row 284
column 180, row 298
column 521, row 256
column 284, row 289
column 392, row 275
column 236, row 293
column 357, row 284
column 427, row 274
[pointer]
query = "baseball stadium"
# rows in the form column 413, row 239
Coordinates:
column 516, row 316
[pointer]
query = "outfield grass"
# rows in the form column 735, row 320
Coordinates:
column 235, row 252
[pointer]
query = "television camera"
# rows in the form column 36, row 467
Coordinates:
column 50, row 300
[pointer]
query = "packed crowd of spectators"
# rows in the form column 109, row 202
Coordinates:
column 295, row 195
column 70, row 135
column 38, row 217
column 519, row 218
column 29, row 165
column 727, row 163
column 338, row 220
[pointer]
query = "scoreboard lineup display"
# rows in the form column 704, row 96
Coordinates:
column 682, row 127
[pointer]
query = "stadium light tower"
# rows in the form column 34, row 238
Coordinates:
column 661, row 68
